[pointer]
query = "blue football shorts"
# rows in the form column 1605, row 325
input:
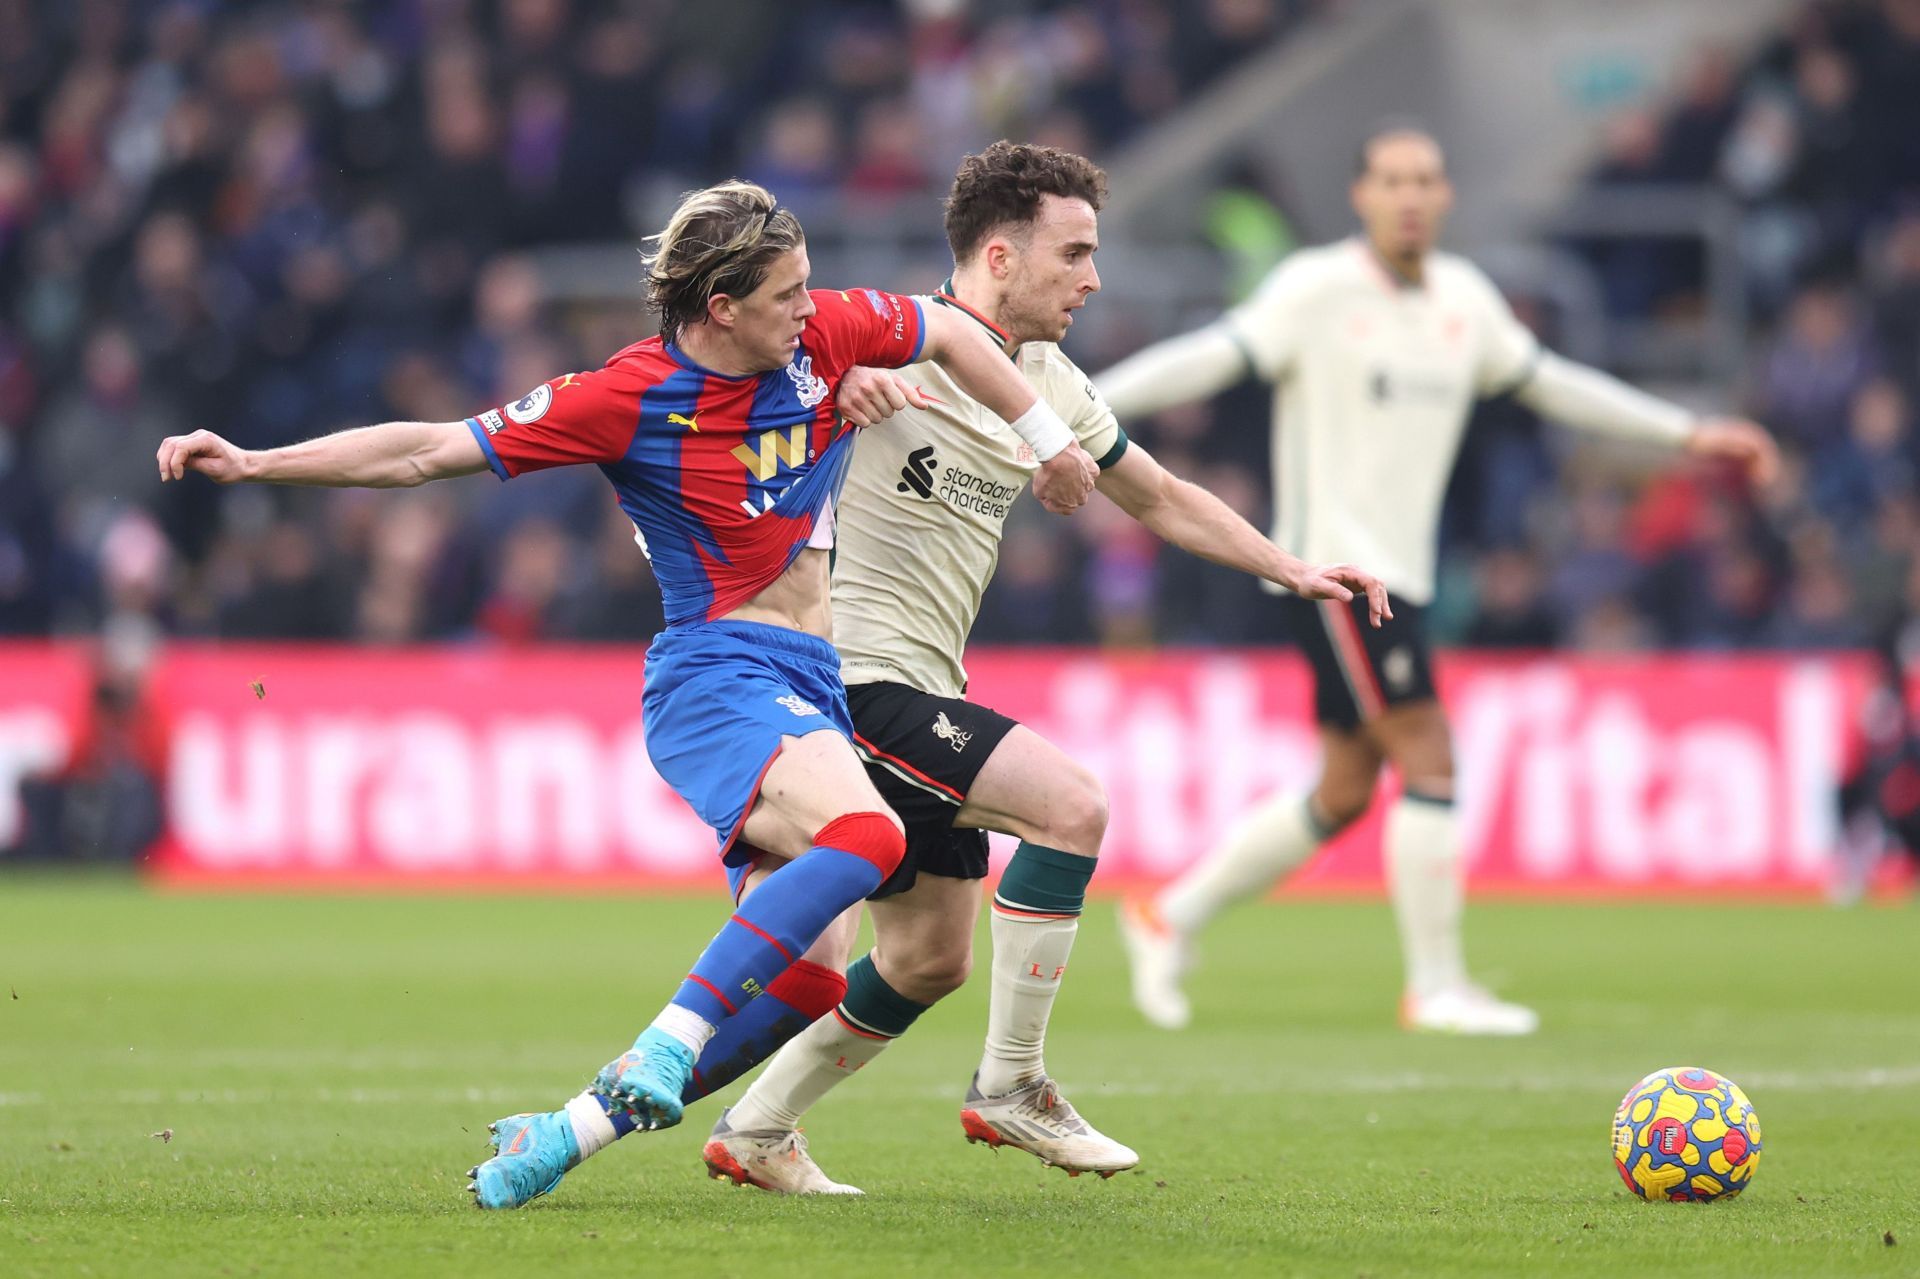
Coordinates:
column 718, row 699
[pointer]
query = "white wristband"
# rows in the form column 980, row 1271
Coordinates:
column 1041, row 427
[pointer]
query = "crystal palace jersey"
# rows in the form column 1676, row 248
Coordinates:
column 726, row 479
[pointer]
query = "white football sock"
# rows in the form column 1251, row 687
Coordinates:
column 689, row 1027
column 1029, row 958
column 1268, row 842
column 592, row 1130
column 802, row 1072
column 1421, row 849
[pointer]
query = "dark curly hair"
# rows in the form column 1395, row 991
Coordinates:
column 1003, row 187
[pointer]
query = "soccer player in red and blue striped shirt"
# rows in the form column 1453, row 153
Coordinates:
column 720, row 437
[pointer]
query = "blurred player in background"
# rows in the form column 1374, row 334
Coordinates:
column 922, row 517
column 721, row 439
column 1879, row 798
column 1377, row 347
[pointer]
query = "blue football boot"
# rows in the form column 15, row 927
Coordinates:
column 533, row 1153
column 648, row 1078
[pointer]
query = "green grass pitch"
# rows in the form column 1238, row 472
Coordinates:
column 327, row 1067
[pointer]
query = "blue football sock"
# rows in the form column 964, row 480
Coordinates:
column 794, row 1000
column 773, row 927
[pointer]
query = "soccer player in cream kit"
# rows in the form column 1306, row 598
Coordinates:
column 1376, row 347
column 921, row 518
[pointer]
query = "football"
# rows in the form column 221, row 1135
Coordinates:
column 1686, row 1135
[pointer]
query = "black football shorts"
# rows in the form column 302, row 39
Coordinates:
column 923, row 753
column 1358, row 672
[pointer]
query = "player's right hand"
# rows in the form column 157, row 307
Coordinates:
column 1342, row 582
column 868, row 397
column 1063, row 481
column 202, row 451
column 1744, row 442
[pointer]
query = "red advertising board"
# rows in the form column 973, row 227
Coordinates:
column 482, row 766
column 432, row 765
column 1574, row 774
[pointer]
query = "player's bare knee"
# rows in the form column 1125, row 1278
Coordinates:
column 1338, row 803
column 932, row 973
column 1077, row 818
column 952, row 973
column 1426, row 765
column 942, row 972
column 1417, row 741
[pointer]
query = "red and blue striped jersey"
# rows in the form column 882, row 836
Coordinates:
column 724, row 477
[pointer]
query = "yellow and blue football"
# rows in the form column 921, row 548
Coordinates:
column 1686, row 1135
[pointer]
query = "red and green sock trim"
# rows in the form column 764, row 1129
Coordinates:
column 1044, row 883
column 871, row 1007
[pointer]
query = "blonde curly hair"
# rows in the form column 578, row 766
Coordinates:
column 722, row 239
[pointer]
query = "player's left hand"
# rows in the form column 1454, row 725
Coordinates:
column 1065, row 480
column 1341, row 582
column 868, row 397
column 1738, row 440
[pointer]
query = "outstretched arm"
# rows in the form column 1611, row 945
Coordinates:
column 1195, row 520
column 1590, row 400
column 391, row 455
column 985, row 373
column 1193, row 366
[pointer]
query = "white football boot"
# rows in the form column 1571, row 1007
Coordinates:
column 1038, row 1120
column 1466, row 1010
column 1158, row 956
column 776, row 1161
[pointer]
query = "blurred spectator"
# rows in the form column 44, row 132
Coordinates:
column 84, row 451
column 530, row 577
column 799, row 155
column 1196, row 601
column 281, row 591
column 1875, row 461
column 1819, row 613
column 1610, row 627
column 1595, row 565
column 1836, row 176
column 1219, row 35
column 1033, row 599
column 1896, row 302
column 104, row 805
column 1738, row 604
column 1249, row 230
column 29, row 554
column 887, row 156
column 619, row 600
column 1883, row 563
column 1510, row 610
column 1121, row 574
column 400, row 589
column 1637, row 275
column 1696, row 126
column 1817, row 365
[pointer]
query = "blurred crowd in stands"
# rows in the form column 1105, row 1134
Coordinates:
column 1813, row 141
column 278, row 219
